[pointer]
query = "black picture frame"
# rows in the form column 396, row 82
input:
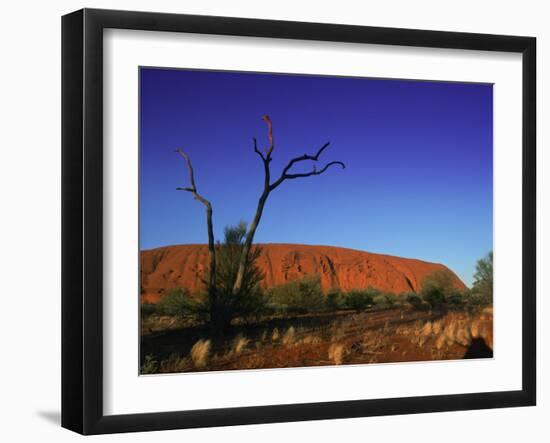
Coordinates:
column 82, row 218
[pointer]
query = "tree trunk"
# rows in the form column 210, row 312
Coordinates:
column 212, row 293
column 268, row 187
column 212, row 296
column 248, row 242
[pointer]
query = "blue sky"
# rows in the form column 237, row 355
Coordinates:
column 419, row 158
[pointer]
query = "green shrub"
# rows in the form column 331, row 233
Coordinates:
column 223, row 306
column 416, row 302
column 439, row 290
column 434, row 297
column 437, row 287
column 150, row 365
column 359, row 300
column 379, row 300
column 482, row 290
column 335, row 300
column 478, row 300
column 176, row 303
column 456, row 300
column 147, row 309
column 385, row 300
column 441, row 280
column 298, row 296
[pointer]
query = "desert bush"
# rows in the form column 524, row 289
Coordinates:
column 438, row 292
column 456, row 300
column 441, row 280
column 176, row 303
column 417, row 302
column 477, row 301
column 147, row 309
column 298, row 296
column 391, row 300
column 223, row 306
column 379, row 300
column 437, row 287
column 482, row 290
column 150, row 365
column 385, row 300
column 359, row 300
column 434, row 297
column 335, row 300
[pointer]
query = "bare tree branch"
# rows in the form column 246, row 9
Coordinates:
column 193, row 188
column 256, row 150
column 306, row 174
column 268, row 187
column 210, row 228
column 286, row 176
column 305, row 157
column 267, row 120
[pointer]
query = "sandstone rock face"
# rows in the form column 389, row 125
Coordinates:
column 186, row 266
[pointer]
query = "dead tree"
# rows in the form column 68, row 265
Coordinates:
column 210, row 227
column 271, row 186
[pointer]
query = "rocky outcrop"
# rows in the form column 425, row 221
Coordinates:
column 186, row 266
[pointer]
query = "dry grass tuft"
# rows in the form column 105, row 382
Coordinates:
column 437, row 354
column 421, row 341
column 199, row 353
column 463, row 336
column 426, row 329
column 310, row 340
column 459, row 329
column 450, row 331
column 174, row 363
column 487, row 313
column 336, row 353
column 289, row 336
column 239, row 344
column 337, row 333
column 402, row 330
column 440, row 341
column 474, row 329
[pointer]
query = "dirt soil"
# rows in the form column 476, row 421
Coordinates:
column 372, row 337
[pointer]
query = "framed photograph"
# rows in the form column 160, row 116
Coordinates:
column 268, row 221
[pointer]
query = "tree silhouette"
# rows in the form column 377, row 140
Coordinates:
column 269, row 186
column 212, row 295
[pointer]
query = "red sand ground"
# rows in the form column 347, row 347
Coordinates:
column 186, row 266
